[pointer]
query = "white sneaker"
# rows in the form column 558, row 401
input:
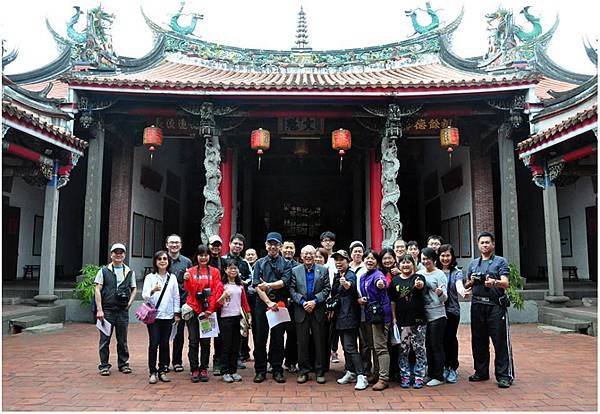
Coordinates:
column 227, row 378
column 347, row 378
column 236, row 377
column 361, row 382
column 434, row 383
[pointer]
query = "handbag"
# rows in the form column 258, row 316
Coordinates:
column 146, row 313
column 244, row 324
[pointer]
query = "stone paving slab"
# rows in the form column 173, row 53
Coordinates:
column 57, row 371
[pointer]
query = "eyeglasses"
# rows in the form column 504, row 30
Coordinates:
column 162, row 259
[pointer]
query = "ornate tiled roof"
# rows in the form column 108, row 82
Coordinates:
column 13, row 111
column 581, row 118
column 180, row 76
column 57, row 88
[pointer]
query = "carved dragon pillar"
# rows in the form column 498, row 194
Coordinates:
column 390, row 214
column 213, row 208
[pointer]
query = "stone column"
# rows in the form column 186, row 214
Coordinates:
column 46, row 296
column 213, row 208
column 119, row 223
column 93, row 196
column 556, row 292
column 508, row 199
column 247, row 204
column 390, row 214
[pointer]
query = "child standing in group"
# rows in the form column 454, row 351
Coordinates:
column 234, row 303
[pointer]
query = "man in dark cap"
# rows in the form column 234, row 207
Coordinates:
column 271, row 280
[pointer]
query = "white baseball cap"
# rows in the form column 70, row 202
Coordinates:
column 118, row 246
column 214, row 239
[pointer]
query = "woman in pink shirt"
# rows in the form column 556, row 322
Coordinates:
column 233, row 302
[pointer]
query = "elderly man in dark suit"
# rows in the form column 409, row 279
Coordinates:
column 310, row 289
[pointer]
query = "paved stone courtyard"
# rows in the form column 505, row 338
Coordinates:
column 58, row 372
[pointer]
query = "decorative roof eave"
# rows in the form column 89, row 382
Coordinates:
column 591, row 52
column 52, row 70
column 31, row 124
column 576, row 125
column 155, row 56
column 263, row 60
column 561, row 101
column 375, row 89
column 551, row 69
column 38, row 98
column 449, row 57
column 9, row 57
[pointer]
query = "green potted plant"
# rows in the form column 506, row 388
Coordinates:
column 515, row 286
column 84, row 289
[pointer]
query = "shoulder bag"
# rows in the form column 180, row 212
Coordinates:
column 146, row 313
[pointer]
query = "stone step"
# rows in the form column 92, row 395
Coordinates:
column 24, row 322
column 573, row 324
column 556, row 329
column 46, row 327
column 11, row 301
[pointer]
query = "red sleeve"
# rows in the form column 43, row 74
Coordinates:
column 216, row 289
column 189, row 284
column 245, row 304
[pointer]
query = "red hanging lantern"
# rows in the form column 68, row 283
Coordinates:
column 449, row 139
column 341, row 141
column 260, row 140
column 153, row 138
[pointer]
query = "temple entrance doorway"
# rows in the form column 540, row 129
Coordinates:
column 301, row 192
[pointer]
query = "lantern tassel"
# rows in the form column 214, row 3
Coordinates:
column 450, row 159
column 341, row 161
column 259, row 163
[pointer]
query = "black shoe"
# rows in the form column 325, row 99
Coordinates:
column 260, row 377
column 321, row 379
column 477, row 378
column 302, row 378
column 279, row 378
column 503, row 383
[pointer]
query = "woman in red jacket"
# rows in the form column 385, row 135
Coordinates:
column 203, row 285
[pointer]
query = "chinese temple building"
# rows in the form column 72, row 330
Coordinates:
column 199, row 138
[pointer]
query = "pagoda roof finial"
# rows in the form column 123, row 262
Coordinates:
column 301, row 32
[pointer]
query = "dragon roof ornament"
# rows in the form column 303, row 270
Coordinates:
column 91, row 47
column 419, row 49
column 510, row 46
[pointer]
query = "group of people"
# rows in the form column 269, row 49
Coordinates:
column 396, row 312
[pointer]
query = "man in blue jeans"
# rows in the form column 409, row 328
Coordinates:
column 115, row 292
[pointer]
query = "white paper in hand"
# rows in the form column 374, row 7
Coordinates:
column 104, row 326
column 209, row 327
column 275, row 318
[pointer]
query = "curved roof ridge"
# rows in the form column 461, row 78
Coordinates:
column 550, row 68
column 50, row 71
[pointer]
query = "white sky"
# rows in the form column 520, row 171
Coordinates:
column 271, row 24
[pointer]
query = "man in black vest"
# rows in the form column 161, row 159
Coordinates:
column 488, row 277
column 115, row 292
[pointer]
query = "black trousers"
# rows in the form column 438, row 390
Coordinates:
column 291, row 341
column 158, row 335
column 354, row 362
column 489, row 321
column 178, row 344
column 195, row 344
column 434, row 344
column 451, row 341
column 320, row 340
column 244, row 345
column 119, row 319
column 230, row 341
column 261, row 335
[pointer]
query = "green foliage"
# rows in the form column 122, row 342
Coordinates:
column 84, row 290
column 515, row 285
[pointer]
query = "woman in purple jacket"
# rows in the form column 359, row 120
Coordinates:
column 378, row 313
